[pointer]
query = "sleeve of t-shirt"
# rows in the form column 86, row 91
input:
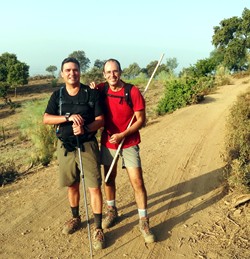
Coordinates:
column 53, row 104
column 137, row 99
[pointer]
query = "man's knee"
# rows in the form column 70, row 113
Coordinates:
column 95, row 191
column 138, row 184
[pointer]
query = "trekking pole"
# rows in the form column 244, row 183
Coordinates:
column 121, row 143
column 85, row 196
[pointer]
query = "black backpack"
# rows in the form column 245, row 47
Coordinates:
column 70, row 142
column 90, row 97
column 126, row 97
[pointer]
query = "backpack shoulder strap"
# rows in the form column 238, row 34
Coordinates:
column 60, row 100
column 92, row 96
column 128, row 94
column 106, row 88
column 85, row 88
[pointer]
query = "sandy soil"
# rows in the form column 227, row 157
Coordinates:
column 191, row 212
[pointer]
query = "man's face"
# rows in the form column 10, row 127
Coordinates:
column 112, row 73
column 71, row 73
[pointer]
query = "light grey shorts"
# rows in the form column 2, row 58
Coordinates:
column 130, row 156
column 69, row 165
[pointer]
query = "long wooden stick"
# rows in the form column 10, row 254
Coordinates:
column 121, row 143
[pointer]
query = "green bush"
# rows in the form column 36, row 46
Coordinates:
column 178, row 93
column 42, row 136
column 183, row 91
column 54, row 82
column 8, row 172
column 238, row 144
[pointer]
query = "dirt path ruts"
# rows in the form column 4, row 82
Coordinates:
column 181, row 155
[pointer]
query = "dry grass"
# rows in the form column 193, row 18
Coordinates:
column 237, row 144
column 20, row 150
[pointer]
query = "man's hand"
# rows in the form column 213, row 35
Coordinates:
column 92, row 85
column 76, row 119
column 116, row 138
column 78, row 123
column 77, row 129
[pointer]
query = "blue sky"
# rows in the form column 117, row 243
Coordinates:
column 43, row 33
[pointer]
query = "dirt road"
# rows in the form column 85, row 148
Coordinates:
column 181, row 155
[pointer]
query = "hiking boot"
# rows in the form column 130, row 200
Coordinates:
column 98, row 239
column 72, row 225
column 110, row 218
column 145, row 230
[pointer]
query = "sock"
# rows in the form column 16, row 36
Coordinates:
column 142, row 213
column 98, row 220
column 111, row 203
column 75, row 211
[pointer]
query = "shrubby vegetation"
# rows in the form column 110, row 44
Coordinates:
column 42, row 136
column 140, row 80
column 231, row 54
column 8, row 172
column 222, row 76
column 237, row 153
column 178, row 93
column 40, row 77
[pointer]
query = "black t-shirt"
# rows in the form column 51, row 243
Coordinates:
column 86, row 103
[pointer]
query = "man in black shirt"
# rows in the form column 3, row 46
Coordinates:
column 76, row 111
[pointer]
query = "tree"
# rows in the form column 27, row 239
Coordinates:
column 152, row 65
column 6, row 61
column 12, row 72
column 3, row 72
column 52, row 70
column 83, row 60
column 93, row 75
column 18, row 74
column 132, row 71
column 4, row 91
column 171, row 64
column 205, row 67
column 99, row 63
column 202, row 68
column 232, row 39
column 217, row 57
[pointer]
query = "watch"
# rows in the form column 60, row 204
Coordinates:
column 67, row 115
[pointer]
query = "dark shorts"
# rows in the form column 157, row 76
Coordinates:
column 130, row 156
column 69, row 165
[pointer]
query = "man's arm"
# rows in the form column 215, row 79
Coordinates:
column 53, row 119
column 140, row 120
column 96, row 124
column 58, row 119
column 92, row 127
